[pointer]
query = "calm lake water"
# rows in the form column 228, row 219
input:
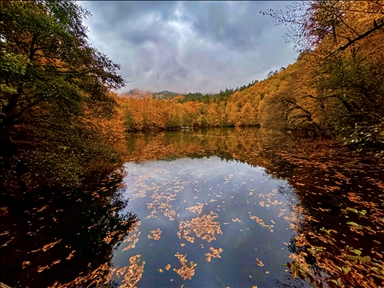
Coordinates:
column 215, row 223
column 210, row 208
column 233, row 208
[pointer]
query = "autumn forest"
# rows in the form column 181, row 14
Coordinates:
column 85, row 168
column 335, row 89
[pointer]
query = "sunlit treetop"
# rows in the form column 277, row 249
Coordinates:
column 343, row 22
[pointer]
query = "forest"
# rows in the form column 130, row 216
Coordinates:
column 335, row 88
column 65, row 132
column 57, row 165
column 56, row 89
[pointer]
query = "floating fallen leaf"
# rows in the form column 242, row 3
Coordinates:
column 25, row 264
column 70, row 256
column 259, row 262
column 50, row 245
column 42, row 268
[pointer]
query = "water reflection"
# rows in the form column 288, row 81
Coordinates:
column 59, row 239
column 336, row 197
column 217, row 208
column 206, row 222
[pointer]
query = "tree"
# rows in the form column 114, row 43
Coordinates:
column 129, row 121
column 49, row 73
column 345, row 40
column 312, row 22
column 248, row 115
column 52, row 82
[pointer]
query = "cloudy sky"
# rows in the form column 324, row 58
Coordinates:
column 189, row 46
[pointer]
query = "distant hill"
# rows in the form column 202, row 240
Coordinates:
column 136, row 94
column 165, row 94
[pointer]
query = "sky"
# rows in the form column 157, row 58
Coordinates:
column 189, row 46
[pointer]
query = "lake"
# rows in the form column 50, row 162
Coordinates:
column 226, row 217
column 233, row 208
column 215, row 208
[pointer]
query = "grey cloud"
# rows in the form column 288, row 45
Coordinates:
column 120, row 12
column 189, row 46
column 238, row 25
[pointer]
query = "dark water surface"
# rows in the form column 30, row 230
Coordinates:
column 215, row 208
column 199, row 207
column 228, row 208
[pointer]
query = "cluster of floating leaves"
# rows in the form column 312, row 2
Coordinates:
column 268, row 196
column 141, row 187
column 261, row 222
column 167, row 267
column 345, row 258
column 132, row 273
column 342, row 263
column 155, row 234
column 42, row 268
column 133, row 237
column 185, row 271
column 196, row 209
column 215, row 253
column 100, row 275
column 161, row 202
column 46, row 247
column 203, row 227
column 227, row 179
column 108, row 239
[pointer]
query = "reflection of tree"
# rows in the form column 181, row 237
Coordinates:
column 339, row 234
column 56, row 237
column 337, row 212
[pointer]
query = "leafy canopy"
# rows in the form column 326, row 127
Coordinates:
column 49, row 74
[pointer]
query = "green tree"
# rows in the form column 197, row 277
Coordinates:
column 52, row 82
column 203, row 121
column 49, row 73
column 129, row 121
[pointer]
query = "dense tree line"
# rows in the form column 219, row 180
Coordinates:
column 335, row 89
column 231, row 109
column 338, row 80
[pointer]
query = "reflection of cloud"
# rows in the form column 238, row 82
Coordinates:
column 196, row 188
column 189, row 46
